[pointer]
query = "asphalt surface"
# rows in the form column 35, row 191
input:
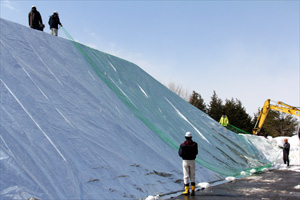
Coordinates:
column 276, row 184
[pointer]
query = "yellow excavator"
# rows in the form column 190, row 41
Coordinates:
column 281, row 107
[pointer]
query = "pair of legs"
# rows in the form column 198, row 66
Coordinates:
column 188, row 167
column 286, row 159
column 54, row 31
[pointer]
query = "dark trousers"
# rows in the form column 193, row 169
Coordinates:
column 286, row 159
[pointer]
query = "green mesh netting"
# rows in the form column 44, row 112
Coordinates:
column 226, row 154
column 236, row 129
column 117, row 91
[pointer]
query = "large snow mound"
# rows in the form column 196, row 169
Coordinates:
column 77, row 123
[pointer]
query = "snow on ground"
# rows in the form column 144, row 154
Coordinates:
column 294, row 155
column 294, row 148
column 77, row 123
column 265, row 146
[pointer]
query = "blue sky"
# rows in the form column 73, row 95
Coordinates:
column 247, row 50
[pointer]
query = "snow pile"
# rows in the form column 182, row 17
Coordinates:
column 230, row 178
column 297, row 187
column 271, row 148
column 203, row 185
column 243, row 173
column 294, row 148
column 265, row 170
column 152, row 197
column 267, row 147
column 77, row 123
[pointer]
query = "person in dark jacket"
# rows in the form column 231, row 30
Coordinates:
column 35, row 19
column 188, row 152
column 286, row 152
column 54, row 22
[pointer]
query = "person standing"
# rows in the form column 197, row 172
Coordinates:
column 54, row 22
column 188, row 151
column 224, row 120
column 35, row 19
column 286, row 152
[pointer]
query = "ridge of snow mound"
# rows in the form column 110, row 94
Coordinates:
column 77, row 123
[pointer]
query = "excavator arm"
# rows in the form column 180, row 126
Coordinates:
column 281, row 107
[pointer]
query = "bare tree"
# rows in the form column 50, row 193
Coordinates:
column 179, row 90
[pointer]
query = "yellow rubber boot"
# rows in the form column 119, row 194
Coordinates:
column 187, row 190
column 193, row 190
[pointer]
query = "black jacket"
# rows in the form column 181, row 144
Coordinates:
column 54, row 21
column 35, row 19
column 188, row 150
column 286, row 148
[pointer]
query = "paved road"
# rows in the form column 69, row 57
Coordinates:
column 276, row 184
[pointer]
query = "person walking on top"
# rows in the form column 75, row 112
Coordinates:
column 35, row 20
column 188, row 151
column 224, row 120
column 286, row 152
column 54, row 22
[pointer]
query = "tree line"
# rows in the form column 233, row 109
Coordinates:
column 276, row 123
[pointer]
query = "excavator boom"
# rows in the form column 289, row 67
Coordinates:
column 281, row 107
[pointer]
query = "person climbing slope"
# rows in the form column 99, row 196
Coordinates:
column 54, row 21
column 35, row 20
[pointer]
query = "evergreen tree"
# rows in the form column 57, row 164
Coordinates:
column 197, row 101
column 215, row 107
column 237, row 115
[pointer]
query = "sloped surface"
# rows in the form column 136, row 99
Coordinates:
column 77, row 123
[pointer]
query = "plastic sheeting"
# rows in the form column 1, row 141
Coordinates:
column 77, row 123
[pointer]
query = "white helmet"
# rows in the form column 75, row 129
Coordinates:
column 188, row 134
column 55, row 12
